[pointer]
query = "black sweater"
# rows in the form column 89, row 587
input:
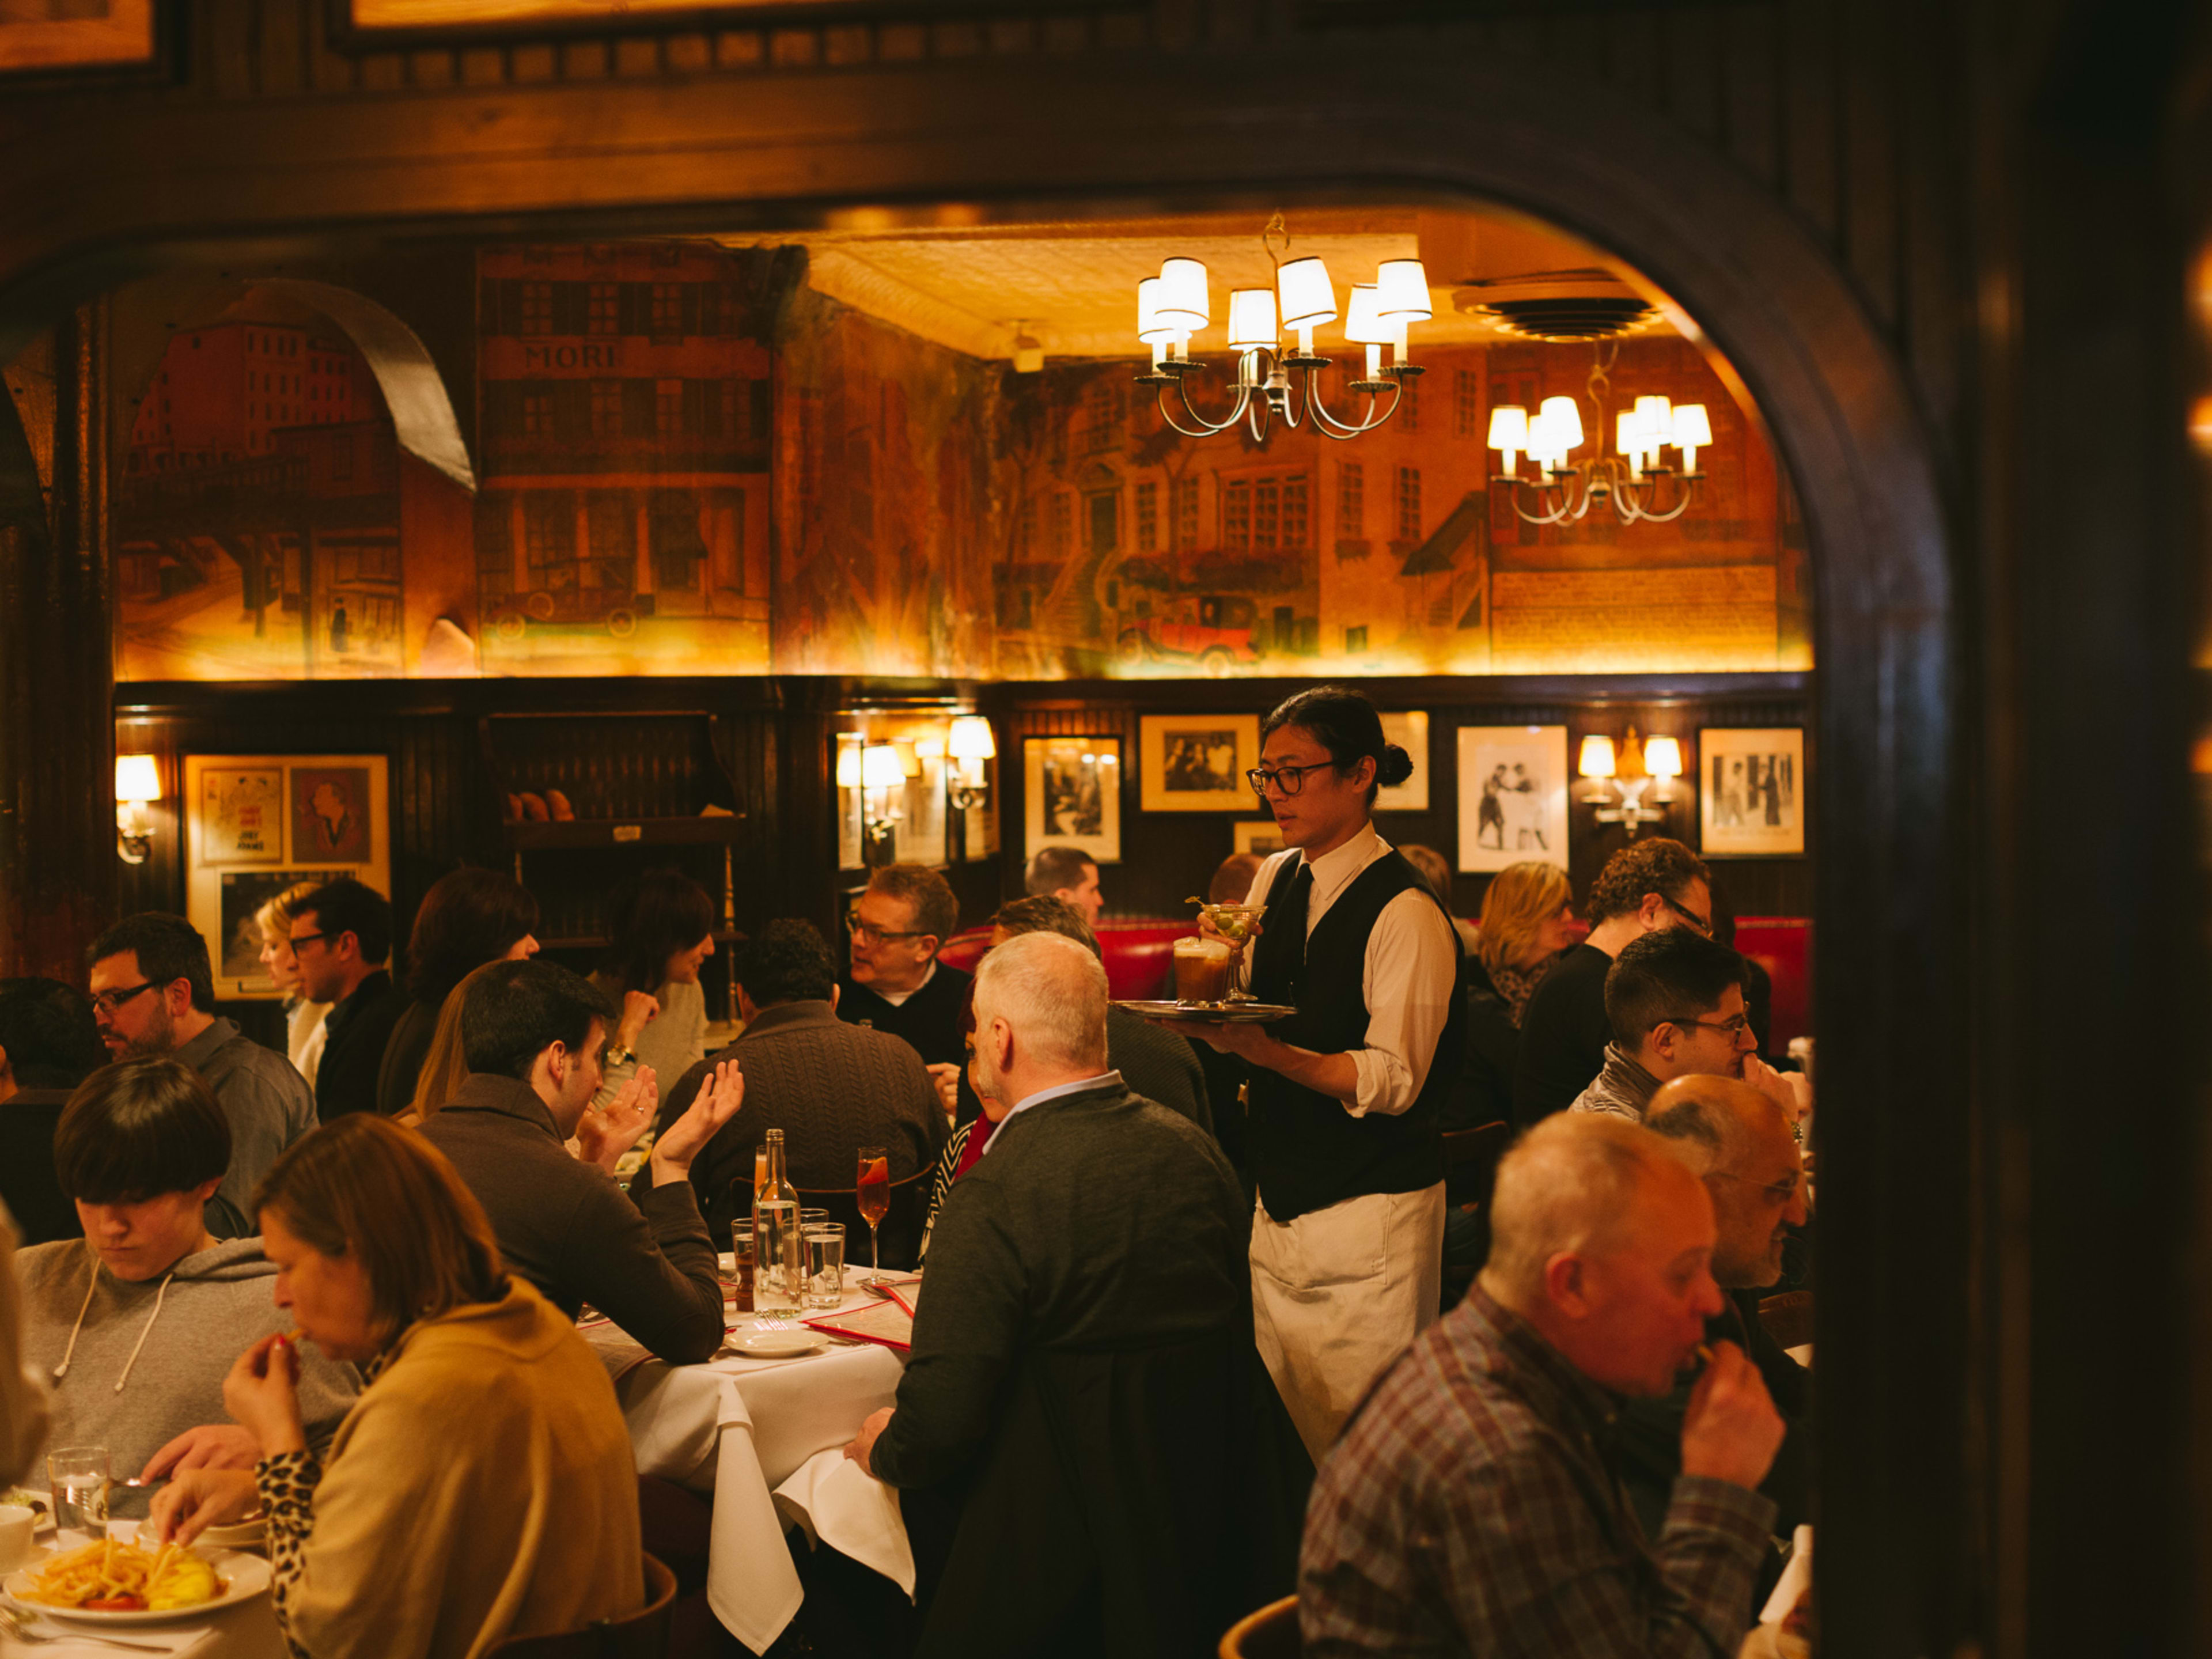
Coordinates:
column 1563, row 1036
column 928, row 1021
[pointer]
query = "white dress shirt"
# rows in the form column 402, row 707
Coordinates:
column 1053, row 1093
column 898, row 999
column 1407, row 979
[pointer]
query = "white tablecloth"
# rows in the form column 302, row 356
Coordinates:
column 766, row 1437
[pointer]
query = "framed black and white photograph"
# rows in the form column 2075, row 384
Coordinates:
column 1512, row 795
column 1409, row 730
column 1750, row 791
column 1197, row 762
column 1263, row 837
column 1071, row 796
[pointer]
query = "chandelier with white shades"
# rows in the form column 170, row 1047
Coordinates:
column 1634, row 480
column 1177, row 304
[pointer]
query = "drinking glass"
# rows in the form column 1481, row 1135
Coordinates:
column 78, row 1476
column 873, row 1190
column 825, row 1264
column 741, row 1252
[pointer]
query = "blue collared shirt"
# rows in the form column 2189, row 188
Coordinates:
column 1053, row 1093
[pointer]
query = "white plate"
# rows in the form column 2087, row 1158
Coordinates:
column 252, row 1532
column 778, row 1345
column 242, row 1577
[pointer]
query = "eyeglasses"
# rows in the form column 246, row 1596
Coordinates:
column 1288, row 778
column 108, row 1001
column 868, row 933
column 1777, row 1192
column 1688, row 916
column 1736, row 1024
column 298, row 939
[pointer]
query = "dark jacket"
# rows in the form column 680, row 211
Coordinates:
column 404, row 1055
column 1651, row 1430
column 28, row 1185
column 1159, row 1064
column 268, row 1104
column 830, row 1087
column 646, row 1262
column 1564, row 1032
column 929, row 1021
column 353, row 1054
column 1484, row 1094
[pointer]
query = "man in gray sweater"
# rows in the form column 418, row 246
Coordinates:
column 134, row 1327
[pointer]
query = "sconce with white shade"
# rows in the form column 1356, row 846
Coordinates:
column 137, row 780
column 1630, row 480
column 1617, row 781
column 971, row 744
column 883, row 777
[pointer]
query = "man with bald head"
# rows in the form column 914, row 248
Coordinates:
column 1080, row 1349
column 1472, row 1503
column 1737, row 1140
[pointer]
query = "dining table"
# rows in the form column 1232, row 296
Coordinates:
column 764, row 1439
column 246, row 1630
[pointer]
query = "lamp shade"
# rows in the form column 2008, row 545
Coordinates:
column 136, row 778
column 1309, row 298
column 1252, row 318
column 1152, row 328
column 1691, row 426
column 1596, row 756
column 1563, row 421
column 1363, row 317
column 881, row 767
column 971, row 739
column 1183, row 302
column 1662, row 757
column 1509, row 427
column 848, row 766
column 1628, row 429
column 1656, row 417
column 1405, row 286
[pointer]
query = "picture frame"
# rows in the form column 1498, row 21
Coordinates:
column 1263, row 837
column 1409, row 730
column 1197, row 762
column 1751, row 791
column 255, row 825
column 1513, row 783
column 96, row 36
column 1071, row 796
column 387, row 25
column 919, row 837
column 852, row 808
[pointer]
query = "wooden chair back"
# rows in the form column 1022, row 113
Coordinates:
column 1270, row 1633
column 901, row 1229
column 643, row 1635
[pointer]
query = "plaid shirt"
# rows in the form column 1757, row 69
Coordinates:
column 1471, row 1506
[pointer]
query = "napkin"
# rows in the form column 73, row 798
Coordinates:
column 173, row 1638
column 1795, row 1576
column 854, row 1513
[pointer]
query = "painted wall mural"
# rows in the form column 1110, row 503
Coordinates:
column 688, row 463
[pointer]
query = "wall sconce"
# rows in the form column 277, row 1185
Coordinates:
column 883, row 776
column 1640, row 768
column 971, row 743
column 137, row 780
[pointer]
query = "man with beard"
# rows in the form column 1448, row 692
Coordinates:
column 153, row 993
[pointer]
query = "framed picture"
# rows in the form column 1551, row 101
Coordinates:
column 1512, row 795
column 256, row 824
column 1410, row 732
column 979, row 823
column 852, row 807
column 1264, row 837
column 1750, row 791
column 1197, row 762
column 365, row 24
column 50, row 35
column 1073, row 796
column 919, row 836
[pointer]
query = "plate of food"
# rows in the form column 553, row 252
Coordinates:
column 1215, row 1013
column 110, row 1581
column 36, row 1502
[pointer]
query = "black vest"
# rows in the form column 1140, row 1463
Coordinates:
column 1307, row 1151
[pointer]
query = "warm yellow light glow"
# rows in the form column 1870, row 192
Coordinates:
column 881, row 767
column 1363, row 317
column 1183, row 302
column 1509, row 428
column 1152, row 328
column 1662, row 757
column 1596, row 756
column 1563, row 424
column 1404, row 290
column 136, row 778
column 1252, row 318
column 1309, row 297
column 848, row 766
column 972, row 738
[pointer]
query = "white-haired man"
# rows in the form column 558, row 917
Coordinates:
column 1474, row 1503
column 1082, row 1363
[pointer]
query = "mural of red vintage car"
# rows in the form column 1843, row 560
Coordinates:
column 1214, row 631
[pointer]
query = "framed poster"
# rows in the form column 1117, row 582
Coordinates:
column 1512, row 795
column 1263, row 837
column 1197, row 762
column 852, row 806
column 979, row 823
column 76, row 34
column 919, row 835
column 1751, row 791
column 256, row 824
column 1073, row 796
column 1410, row 732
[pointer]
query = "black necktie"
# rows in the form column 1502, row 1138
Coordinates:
column 1289, row 917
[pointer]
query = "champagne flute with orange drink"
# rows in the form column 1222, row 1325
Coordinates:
column 872, row 1189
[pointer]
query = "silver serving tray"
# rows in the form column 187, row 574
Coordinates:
column 1211, row 1013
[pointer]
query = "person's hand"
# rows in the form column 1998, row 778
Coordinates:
column 721, row 1094
column 200, row 1499
column 211, row 1446
column 1791, row 1091
column 638, row 1008
column 1731, row 1430
column 1207, row 929
column 946, row 1076
column 863, row 1444
column 1242, row 1038
column 601, row 1137
column 263, row 1393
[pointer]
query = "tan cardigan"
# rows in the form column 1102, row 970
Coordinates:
column 483, row 1488
column 23, row 1401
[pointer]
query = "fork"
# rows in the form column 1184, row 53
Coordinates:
column 17, row 1625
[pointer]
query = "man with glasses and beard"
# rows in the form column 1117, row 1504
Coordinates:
column 1675, row 1003
column 896, row 984
column 153, row 993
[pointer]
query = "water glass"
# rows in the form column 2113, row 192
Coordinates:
column 741, row 1261
column 813, row 1219
column 825, row 1264
column 78, row 1476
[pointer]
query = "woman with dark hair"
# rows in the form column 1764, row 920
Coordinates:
column 413, row 1539
column 468, row 918
column 664, row 933
column 1346, row 1094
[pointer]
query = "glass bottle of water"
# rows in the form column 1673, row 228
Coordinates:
column 779, row 1266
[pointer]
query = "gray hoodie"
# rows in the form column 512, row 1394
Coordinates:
column 132, row 1366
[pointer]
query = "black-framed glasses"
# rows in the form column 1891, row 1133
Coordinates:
column 1288, row 778
column 868, row 933
column 298, row 939
column 108, row 1001
column 1688, row 916
column 1776, row 1192
column 1736, row 1024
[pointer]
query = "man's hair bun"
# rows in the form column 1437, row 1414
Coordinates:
column 1395, row 768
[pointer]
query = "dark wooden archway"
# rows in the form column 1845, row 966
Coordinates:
column 1335, row 120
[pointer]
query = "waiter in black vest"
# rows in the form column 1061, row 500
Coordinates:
column 1348, row 1239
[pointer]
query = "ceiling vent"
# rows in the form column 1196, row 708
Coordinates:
column 1562, row 306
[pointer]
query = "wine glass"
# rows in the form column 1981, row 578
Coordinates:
column 872, row 1188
